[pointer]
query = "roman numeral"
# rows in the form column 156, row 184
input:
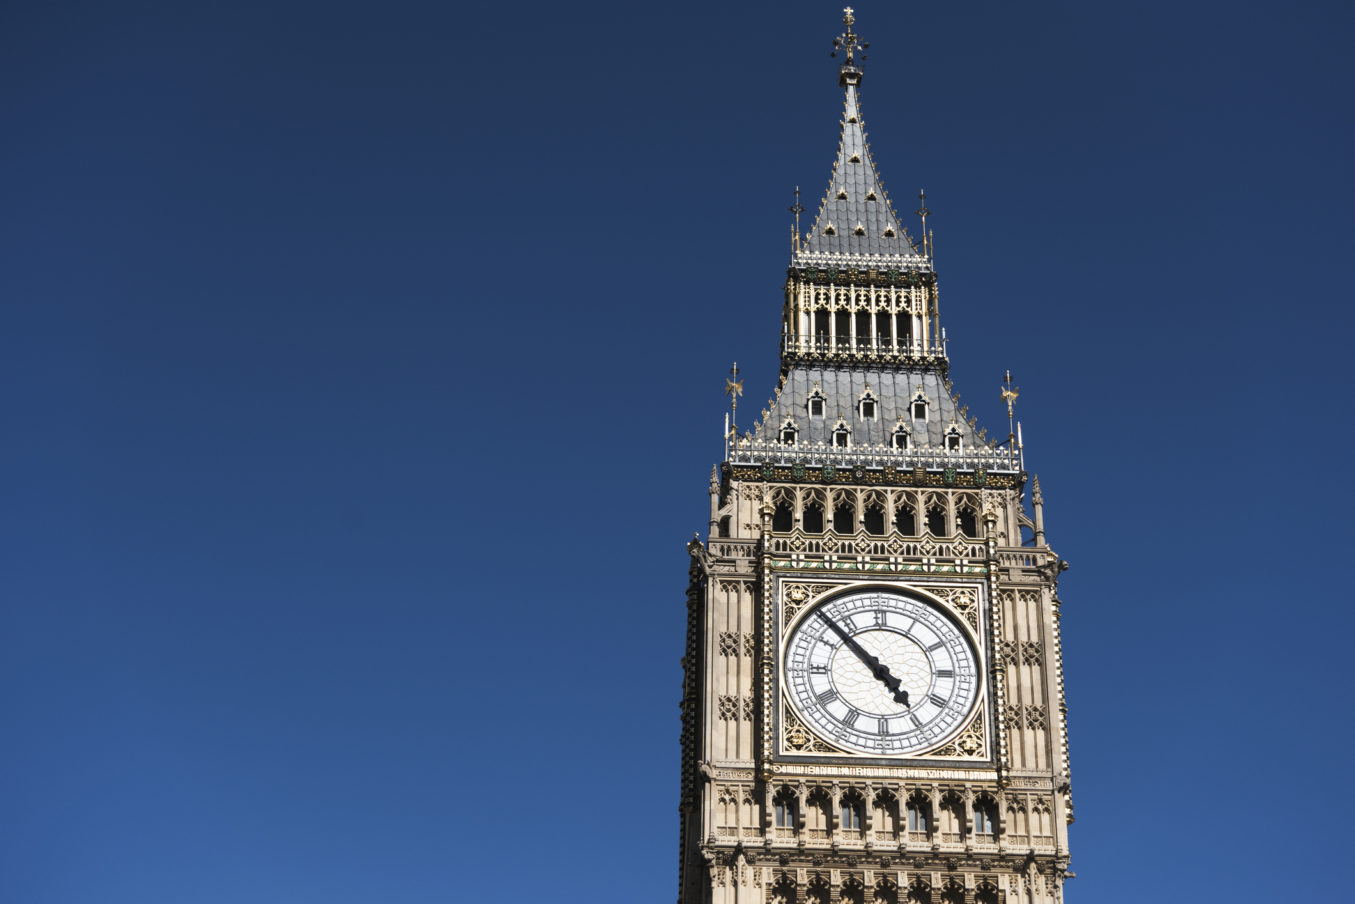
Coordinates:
column 819, row 669
column 937, row 700
column 945, row 673
column 850, row 719
column 884, row 726
column 936, row 646
column 827, row 697
column 917, row 723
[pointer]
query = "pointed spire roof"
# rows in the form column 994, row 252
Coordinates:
column 855, row 216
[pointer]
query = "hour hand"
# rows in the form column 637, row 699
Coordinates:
column 877, row 668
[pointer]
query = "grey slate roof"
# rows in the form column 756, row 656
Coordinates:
column 842, row 390
column 858, row 180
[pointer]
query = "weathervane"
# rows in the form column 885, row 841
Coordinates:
column 848, row 41
column 1009, row 394
column 733, row 389
column 922, row 212
column 797, row 208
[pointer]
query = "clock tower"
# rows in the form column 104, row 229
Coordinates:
column 872, row 701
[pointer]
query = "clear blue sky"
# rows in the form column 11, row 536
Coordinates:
column 362, row 372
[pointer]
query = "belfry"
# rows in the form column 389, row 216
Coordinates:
column 872, row 700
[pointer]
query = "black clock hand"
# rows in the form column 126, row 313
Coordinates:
column 877, row 668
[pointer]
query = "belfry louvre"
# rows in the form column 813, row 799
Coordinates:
column 872, row 701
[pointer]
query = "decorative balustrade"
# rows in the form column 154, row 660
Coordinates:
column 748, row 451
column 1026, row 558
column 733, row 549
column 883, row 347
column 798, row 543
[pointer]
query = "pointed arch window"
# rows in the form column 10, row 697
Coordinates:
column 936, row 519
column 811, row 519
column 844, row 515
column 900, row 437
column 868, row 405
column 873, row 514
column 816, row 402
column 967, row 519
column 789, row 432
column 842, row 435
column 851, row 815
column 870, row 196
column 918, row 816
column 784, row 809
column 830, row 229
column 905, row 519
column 842, row 194
column 954, row 441
column 918, row 405
column 985, row 818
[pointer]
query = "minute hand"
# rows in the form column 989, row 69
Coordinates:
column 877, row 668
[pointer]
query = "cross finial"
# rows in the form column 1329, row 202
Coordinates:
column 849, row 43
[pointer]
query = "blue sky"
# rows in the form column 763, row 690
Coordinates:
column 363, row 373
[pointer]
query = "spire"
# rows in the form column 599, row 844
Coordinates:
column 855, row 216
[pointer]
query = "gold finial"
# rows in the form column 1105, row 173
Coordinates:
column 849, row 42
column 797, row 208
column 1009, row 394
column 733, row 389
column 922, row 212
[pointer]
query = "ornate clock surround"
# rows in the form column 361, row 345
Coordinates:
column 969, row 746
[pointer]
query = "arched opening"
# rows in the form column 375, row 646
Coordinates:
column 812, row 519
column 818, row 810
column 851, row 814
column 905, row 519
column 873, row 517
column 783, row 809
column 886, row 816
column 952, row 818
column 902, row 329
column 844, row 517
column 968, row 521
column 985, row 819
column 783, row 518
column 886, row 892
column 724, row 527
column 936, row 520
column 842, row 327
column 919, row 818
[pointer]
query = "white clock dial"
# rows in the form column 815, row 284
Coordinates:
column 880, row 672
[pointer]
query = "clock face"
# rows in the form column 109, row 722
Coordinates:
column 878, row 672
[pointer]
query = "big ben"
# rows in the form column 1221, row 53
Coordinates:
column 872, row 701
